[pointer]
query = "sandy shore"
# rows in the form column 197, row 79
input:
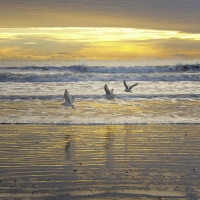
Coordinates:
column 100, row 161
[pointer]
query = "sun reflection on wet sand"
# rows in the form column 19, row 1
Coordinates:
column 98, row 161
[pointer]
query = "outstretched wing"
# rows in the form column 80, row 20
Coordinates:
column 133, row 86
column 126, row 86
column 106, row 89
column 111, row 92
column 72, row 99
column 67, row 97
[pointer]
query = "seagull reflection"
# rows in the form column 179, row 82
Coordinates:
column 108, row 138
column 67, row 146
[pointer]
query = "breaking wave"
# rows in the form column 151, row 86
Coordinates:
column 76, row 73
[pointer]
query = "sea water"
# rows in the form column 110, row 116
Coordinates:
column 52, row 151
column 168, row 91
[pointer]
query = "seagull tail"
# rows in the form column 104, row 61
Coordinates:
column 73, row 107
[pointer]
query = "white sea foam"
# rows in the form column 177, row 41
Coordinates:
column 100, row 73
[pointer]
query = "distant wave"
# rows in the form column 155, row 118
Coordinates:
column 77, row 73
column 136, row 69
column 111, row 69
column 75, row 77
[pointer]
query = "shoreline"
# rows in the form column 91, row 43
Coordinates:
column 101, row 124
column 137, row 161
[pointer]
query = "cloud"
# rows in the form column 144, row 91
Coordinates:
column 180, row 55
column 181, row 15
column 96, row 43
column 30, row 43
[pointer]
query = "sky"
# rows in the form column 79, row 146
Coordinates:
column 99, row 30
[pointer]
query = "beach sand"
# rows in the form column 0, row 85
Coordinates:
column 142, row 161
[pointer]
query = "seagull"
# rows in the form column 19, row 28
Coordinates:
column 109, row 93
column 68, row 100
column 128, row 89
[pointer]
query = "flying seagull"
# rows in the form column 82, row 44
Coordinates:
column 128, row 89
column 68, row 100
column 109, row 93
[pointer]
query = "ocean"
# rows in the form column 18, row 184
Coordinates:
column 142, row 144
column 168, row 91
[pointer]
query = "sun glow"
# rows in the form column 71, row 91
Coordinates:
column 94, row 43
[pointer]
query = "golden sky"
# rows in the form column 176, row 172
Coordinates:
column 108, row 30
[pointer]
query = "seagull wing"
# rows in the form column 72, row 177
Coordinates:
column 72, row 99
column 112, row 94
column 126, row 86
column 133, row 86
column 106, row 89
column 67, row 97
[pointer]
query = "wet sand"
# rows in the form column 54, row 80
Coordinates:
column 157, row 161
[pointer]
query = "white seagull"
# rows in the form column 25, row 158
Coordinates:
column 68, row 100
column 109, row 93
column 128, row 89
